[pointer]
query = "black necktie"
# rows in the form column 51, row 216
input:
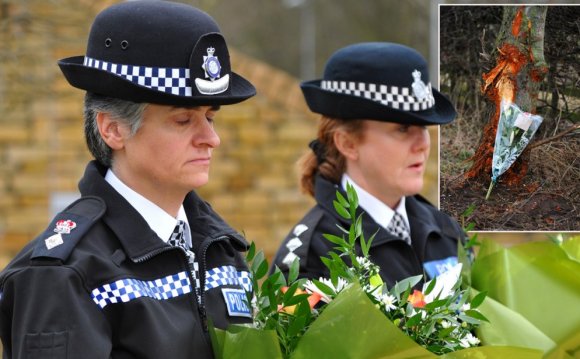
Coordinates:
column 398, row 227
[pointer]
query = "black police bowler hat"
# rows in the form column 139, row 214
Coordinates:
column 378, row 81
column 157, row 52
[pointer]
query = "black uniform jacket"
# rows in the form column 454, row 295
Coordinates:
column 99, row 283
column 434, row 237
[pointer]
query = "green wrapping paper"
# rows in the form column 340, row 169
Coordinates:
column 352, row 327
column 509, row 328
column 540, row 281
column 491, row 352
column 240, row 342
column 572, row 248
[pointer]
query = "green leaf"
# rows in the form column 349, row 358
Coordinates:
column 366, row 245
column 335, row 239
column 341, row 199
column 436, row 304
column 352, row 236
column 262, row 270
column 282, row 279
column 476, row 314
column 469, row 319
column 295, row 299
column 294, row 270
column 406, row 284
column 289, row 293
column 251, row 252
column 358, row 230
column 296, row 326
column 258, row 259
column 303, row 310
column 259, row 266
column 352, row 197
column 444, row 333
column 478, row 299
column 272, row 283
column 323, row 287
column 472, row 242
column 414, row 320
column 430, row 286
column 327, row 262
column 345, row 231
column 341, row 210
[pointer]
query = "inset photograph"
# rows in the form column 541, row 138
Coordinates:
column 511, row 159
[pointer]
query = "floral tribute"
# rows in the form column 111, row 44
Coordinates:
column 441, row 318
column 353, row 314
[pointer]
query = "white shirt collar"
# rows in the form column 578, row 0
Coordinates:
column 160, row 221
column 380, row 212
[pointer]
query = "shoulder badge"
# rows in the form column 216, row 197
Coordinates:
column 68, row 227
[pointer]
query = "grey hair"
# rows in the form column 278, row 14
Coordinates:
column 126, row 112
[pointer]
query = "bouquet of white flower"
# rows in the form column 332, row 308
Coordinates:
column 353, row 314
column 515, row 129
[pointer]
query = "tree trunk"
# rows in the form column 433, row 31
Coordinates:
column 520, row 67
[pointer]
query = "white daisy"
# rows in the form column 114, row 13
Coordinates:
column 312, row 288
column 389, row 302
column 468, row 341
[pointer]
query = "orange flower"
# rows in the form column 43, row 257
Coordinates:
column 417, row 299
column 313, row 299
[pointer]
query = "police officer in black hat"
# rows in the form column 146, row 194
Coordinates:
column 140, row 264
column 376, row 101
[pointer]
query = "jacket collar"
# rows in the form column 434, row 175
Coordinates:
column 135, row 235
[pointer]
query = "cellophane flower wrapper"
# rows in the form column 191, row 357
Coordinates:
column 242, row 342
column 352, row 327
column 572, row 248
column 349, row 327
column 535, row 288
column 510, row 140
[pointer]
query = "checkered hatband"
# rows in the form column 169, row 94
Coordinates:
column 398, row 97
column 174, row 81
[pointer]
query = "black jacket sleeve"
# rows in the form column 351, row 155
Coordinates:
column 46, row 312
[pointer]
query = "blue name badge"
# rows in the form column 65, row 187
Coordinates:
column 236, row 302
column 437, row 267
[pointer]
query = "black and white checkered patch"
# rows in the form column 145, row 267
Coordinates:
column 227, row 275
column 401, row 98
column 398, row 227
column 173, row 81
column 128, row 289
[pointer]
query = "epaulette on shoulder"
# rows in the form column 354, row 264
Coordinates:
column 67, row 228
column 423, row 199
column 303, row 232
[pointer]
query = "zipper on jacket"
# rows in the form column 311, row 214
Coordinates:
column 198, row 292
column 202, row 271
column 152, row 254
